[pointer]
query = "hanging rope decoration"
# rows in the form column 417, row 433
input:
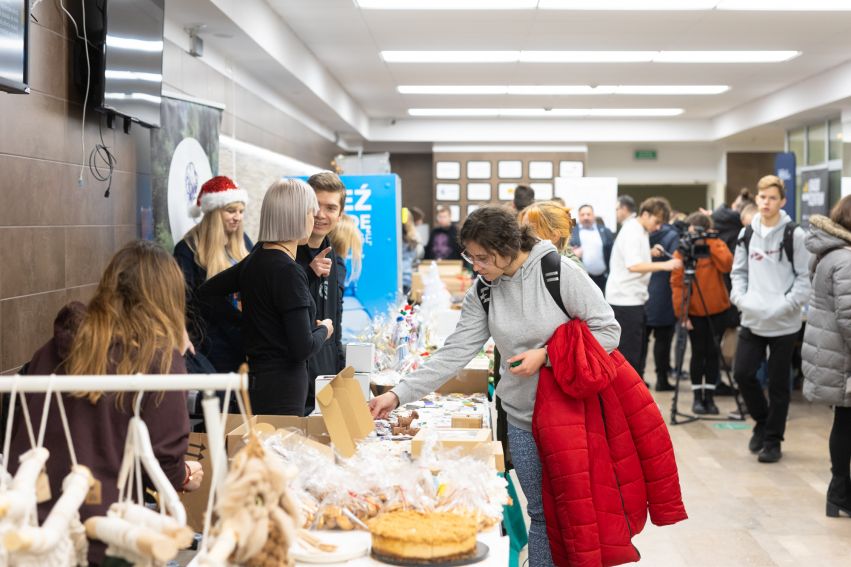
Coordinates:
column 257, row 518
column 131, row 531
column 60, row 541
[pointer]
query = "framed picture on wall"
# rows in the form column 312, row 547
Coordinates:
column 447, row 170
column 478, row 170
column 510, row 169
column 540, row 170
column 448, row 191
column 506, row 191
column 571, row 169
column 455, row 212
column 471, row 208
column 478, row 191
column 543, row 191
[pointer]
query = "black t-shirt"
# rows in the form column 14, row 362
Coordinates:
column 279, row 325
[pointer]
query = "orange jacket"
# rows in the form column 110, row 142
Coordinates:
column 709, row 275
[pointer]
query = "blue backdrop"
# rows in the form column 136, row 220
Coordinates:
column 784, row 168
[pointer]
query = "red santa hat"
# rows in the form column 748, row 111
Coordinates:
column 216, row 193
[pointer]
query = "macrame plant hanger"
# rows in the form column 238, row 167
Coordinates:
column 60, row 541
column 257, row 519
column 130, row 529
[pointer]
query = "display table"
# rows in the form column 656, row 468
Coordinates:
column 497, row 555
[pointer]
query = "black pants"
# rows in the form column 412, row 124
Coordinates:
column 279, row 391
column 600, row 281
column 632, row 346
column 770, row 415
column 840, row 443
column 661, row 350
column 705, row 358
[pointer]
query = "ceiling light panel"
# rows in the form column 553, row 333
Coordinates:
column 447, row 4
column 634, row 5
column 588, row 56
column 544, row 112
column 557, row 90
column 785, row 5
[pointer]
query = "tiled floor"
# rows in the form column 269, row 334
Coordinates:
column 746, row 513
column 743, row 513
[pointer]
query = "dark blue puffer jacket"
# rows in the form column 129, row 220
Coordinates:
column 659, row 308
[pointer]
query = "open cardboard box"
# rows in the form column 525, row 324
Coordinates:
column 312, row 427
column 467, row 440
column 473, row 379
column 345, row 412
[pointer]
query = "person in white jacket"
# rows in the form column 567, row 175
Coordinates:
column 770, row 286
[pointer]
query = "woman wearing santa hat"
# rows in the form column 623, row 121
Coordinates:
column 210, row 247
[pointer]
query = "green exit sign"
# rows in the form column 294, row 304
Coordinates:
column 644, row 154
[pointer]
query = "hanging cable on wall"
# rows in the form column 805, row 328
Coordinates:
column 102, row 162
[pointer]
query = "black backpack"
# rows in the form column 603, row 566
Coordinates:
column 788, row 242
column 550, row 271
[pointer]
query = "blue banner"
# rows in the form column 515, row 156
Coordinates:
column 375, row 202
column 785, row 169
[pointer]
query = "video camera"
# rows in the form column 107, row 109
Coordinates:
column 693, row 243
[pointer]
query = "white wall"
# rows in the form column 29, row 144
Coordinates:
column 675, row 163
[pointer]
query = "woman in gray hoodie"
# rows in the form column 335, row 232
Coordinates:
column 826, row 352
column 521, row 318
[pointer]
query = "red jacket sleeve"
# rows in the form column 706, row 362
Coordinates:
column 167, row 419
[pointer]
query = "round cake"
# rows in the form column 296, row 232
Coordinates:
column 418, row 536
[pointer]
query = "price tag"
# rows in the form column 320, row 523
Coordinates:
column 94, row 497
column 42, row 488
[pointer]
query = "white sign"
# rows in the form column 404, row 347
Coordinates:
column 599, row 192
column 846, row 187
column 188, row 171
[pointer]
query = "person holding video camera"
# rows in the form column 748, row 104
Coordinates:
column 701, row 248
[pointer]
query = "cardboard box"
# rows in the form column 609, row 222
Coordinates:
column 498, row 456
column 467, row 440
column 361, row 357
column 311, row 427
column 467, row 421
column 345, row 412
column 473, row 379
column 195, row 502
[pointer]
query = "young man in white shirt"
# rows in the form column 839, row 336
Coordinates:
column 629, row 275
column 770, row 285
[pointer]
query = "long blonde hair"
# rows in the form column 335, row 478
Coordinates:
column 135, row 320
column 549, row 221
column 212, row 246
column 346, row 238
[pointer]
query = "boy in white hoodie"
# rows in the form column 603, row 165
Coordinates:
column 769, row 287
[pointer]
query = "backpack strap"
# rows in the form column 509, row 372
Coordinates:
column 551, row 272
column 484, row 293
column 745, row 239
column 789, row 244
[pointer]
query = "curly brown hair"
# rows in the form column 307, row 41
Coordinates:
column 496, row 230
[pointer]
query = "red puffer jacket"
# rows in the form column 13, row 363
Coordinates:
column 605, row 450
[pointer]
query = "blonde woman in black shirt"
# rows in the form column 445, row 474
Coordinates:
column 279, row 326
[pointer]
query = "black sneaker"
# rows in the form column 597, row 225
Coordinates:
column 664, row 386
column 697, row 407
column 770, row 453
column 757, row 440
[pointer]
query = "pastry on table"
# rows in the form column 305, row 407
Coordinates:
column 419, row 536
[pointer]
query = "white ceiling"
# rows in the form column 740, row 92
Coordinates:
column 346, row 42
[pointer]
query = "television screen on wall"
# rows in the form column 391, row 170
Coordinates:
column 14, row 27
column 125, row 58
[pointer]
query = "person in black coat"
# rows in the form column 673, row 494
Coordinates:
column 727, row 220
column 659, row 309
column 443, row 240
column 213, row 245
column 319, row 261
column 279, row 314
